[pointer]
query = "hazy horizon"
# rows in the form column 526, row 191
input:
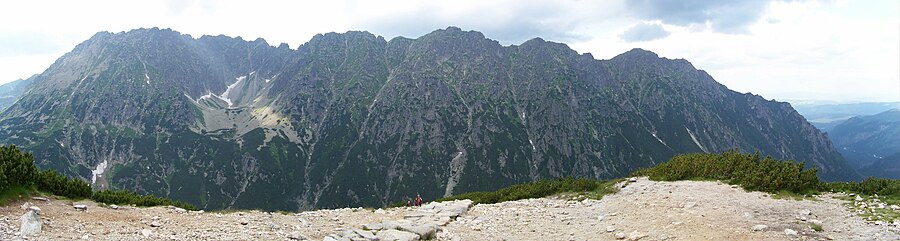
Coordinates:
column 841, row 51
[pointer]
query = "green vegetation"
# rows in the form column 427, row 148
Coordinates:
column 749, row 171
column 541, row 188
column 816, row 227
column 51, row 182
column 13, row 193
column 127, row 197
column 20, row 177
column 870, row 186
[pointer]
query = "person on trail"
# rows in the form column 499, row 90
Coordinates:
column 418, row 200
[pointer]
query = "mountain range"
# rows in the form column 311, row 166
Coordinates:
column 871, row 143
column 351, row 119
column 826, row 116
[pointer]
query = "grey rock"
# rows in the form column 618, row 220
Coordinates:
column 790, row 232
column 425, row 231
column 368, row 235
column 620, row 235
column 155, row 224
column 816, row 222
column 40, row 199
column 610, row 229
column 633, row 179
column 80, row 207
column 635, row 235
column 759, row 227
column 396, row 235
column 31, row 223
column 146, row 232
column 805, row 212
column 297, row 236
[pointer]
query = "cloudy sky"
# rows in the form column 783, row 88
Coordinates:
column 829, row 50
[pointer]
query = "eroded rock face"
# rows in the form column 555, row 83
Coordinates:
column 354, row 119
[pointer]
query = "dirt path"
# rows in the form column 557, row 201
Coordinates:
column 645, row 210
column 685, row 210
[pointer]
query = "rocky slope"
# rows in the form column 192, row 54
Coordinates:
column 352, row 118
column 642, row 210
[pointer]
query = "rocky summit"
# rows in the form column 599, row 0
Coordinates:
column 355, row 119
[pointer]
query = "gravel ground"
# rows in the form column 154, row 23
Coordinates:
column 684, row 210
column 642, row 210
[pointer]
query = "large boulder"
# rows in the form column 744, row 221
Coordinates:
column 31, row 222
column 396, row 235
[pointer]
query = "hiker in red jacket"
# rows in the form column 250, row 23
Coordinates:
column 418, row 200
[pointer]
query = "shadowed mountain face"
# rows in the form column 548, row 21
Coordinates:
column 352, row 119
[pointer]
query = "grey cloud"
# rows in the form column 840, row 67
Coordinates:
column 27, row 43
column 722, row 16
column 513, row 24
column 644, row 32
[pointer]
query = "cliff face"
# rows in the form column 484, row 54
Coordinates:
column 354, row 119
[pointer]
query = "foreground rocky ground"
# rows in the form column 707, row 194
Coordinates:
column 641, row 210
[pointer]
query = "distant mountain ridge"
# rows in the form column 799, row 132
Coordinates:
column 827, row 116
column 865, row 140
column 354, row 119
column 11, row 91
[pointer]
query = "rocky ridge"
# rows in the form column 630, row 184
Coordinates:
column 355, row 119
column 641, row 210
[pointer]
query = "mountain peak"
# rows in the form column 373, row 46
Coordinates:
column 638, row 53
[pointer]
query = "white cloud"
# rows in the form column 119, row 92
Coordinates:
column 843, row 50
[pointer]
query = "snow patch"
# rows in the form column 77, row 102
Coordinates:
column 147, row 77
column 267, row 80
column 660, row 140
column 98, row 172
column 695, row 140
column 206, row 96
column 224, row 95
column 533, row 148
column 251, row 73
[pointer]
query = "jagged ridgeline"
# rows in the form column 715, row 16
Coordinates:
column 353, row 119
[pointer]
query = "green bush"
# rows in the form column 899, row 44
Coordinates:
column 50, row 182
column 18, row 172
column 749, row 171
column 537, row 189
column 869, row 186
column 16, row 168
column 123, row 197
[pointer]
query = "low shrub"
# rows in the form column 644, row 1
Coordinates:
column 537, row 189
column 18, row 173
column 16, row 168
column 748, row 170
column 50, row 182
column 870, row 186
column 124, row 197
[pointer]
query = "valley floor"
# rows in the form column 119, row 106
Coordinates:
column 642, row 210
